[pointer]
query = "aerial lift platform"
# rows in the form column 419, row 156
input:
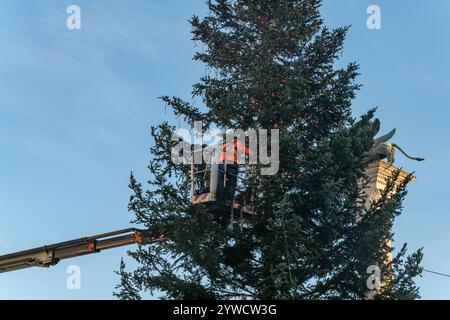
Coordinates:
column 209, row 183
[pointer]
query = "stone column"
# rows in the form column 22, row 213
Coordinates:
column 379, row 173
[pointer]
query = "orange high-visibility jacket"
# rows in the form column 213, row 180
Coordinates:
column 230, row 151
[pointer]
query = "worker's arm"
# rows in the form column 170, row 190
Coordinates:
column 50, row 255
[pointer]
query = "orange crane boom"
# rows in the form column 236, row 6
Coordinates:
column 50, row 255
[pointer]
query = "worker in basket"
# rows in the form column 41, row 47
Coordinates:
column 229, row 164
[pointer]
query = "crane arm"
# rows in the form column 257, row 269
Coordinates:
column 50, row 255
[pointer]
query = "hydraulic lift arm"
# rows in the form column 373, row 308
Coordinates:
column 50, row 255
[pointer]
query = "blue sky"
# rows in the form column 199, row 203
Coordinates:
column 76, row 107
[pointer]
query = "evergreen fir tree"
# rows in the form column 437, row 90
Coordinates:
column 271, row 64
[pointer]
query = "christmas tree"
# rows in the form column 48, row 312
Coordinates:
column 271, row 64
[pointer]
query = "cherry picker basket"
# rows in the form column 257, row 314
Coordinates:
column 220, row 186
